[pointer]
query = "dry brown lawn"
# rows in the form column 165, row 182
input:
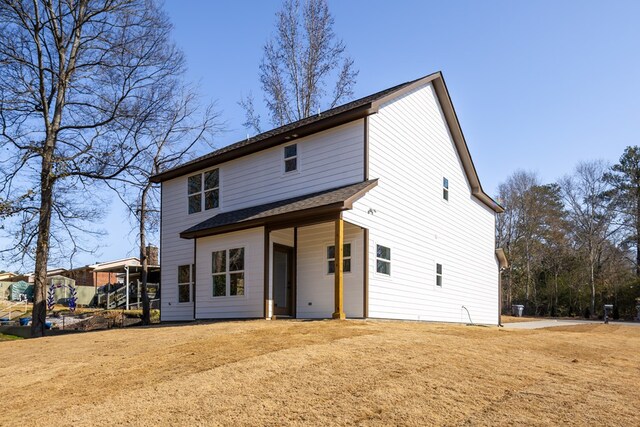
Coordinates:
column 515, row 319
column 324, row 373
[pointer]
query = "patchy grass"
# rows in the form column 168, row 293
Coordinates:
column 326, row 373
column 5, row 337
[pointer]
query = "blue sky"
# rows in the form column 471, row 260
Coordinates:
column 536, row 85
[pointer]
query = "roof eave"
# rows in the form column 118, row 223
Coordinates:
column 284, row 219
column 261, row 222
column 455, row 129
column 355, row 113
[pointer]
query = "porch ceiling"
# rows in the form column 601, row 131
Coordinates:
column 298, row 208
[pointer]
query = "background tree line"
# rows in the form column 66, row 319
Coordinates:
column 573, row 245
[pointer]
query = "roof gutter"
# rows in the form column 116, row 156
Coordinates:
column 269, row 142
column 261, row 222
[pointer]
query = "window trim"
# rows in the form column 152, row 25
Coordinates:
column 285, row 158
column 388, row 261
column 208, row 190
column 198, row 193
column 439, row 275
column 227, row 273
column 327, row 259
column 189, row 283
column 203, row 191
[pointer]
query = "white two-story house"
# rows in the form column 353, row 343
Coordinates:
column 369, row 210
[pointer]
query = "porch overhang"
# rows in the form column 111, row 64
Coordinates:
column 315, row 207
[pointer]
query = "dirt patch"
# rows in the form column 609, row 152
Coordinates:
column 326, row 373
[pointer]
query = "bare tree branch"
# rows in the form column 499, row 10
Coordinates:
column 298, row 64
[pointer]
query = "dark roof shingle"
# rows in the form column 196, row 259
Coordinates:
column 254, row 216
column 255, row 141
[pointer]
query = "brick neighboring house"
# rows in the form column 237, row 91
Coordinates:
column 87, row 276
column 102, row 273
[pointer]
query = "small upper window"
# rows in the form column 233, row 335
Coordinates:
column 346, row 258
column 204, row 187
column 383, row 260
column 439, row 275
column 291, row 158
column 445, row 188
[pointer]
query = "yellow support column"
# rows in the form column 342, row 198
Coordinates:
column 339, row 295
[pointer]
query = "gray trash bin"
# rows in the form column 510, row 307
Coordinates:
column 517, row 310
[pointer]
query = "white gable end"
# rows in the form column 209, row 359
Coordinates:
column 411, row 151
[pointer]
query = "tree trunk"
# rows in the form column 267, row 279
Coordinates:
column 592, row 282
column 637, row 242
column 146, row 309
column 528, row 283
column 555, row 294
column 39, row 313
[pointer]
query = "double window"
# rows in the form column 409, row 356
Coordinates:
column 204, row 189
column 185, row 282
column 227, row 268
column 439, row 275
column 346, row 258
column 291, row 158
column 383, row 260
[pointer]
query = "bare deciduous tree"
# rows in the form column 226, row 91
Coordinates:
column 80, row 84
column 299, row 63
column 181, row 126
column 591, row 215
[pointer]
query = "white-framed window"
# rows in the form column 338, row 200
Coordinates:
column 194, row 192
column 204, row 189
column 346, row 258
column 445, row 188
column 383, row 260
column 185, row 282
column 227, row 269
column 439, row 275
column 291, row 158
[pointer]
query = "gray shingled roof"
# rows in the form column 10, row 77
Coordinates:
column 340, row 197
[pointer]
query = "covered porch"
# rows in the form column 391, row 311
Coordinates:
column 307, row 277
column 312, row 263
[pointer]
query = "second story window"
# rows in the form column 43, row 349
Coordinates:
column 445, row 188
column 211, row 189
column 291, row 158
column 195, row 193
column 204, row 188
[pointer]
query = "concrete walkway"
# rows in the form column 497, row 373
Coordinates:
column 550, row 323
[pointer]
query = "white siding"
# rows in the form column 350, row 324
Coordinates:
column 315, row 286
column 329, row 159
column 410, row 152
column 174, row 251
column 251, row 304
